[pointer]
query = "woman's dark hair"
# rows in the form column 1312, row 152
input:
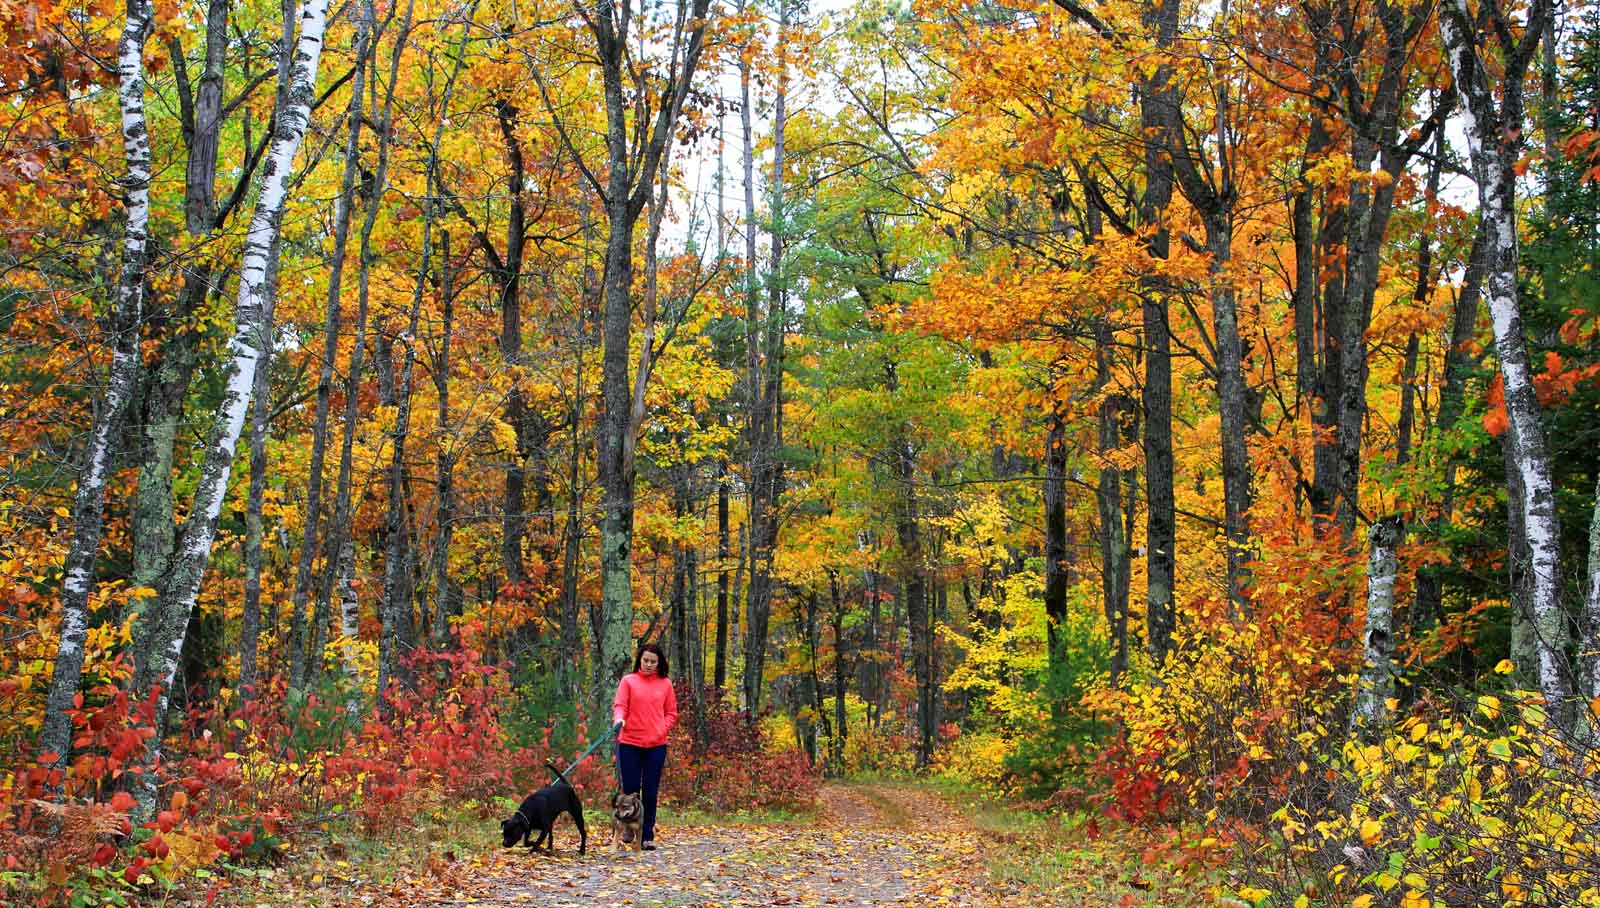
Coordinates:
column 661, row 658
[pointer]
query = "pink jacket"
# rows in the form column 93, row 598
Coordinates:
column 649, row 705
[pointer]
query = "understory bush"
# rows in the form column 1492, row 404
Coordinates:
column 734, row 766
column 242, row 779
column 1469, row 802
column 1457, row 800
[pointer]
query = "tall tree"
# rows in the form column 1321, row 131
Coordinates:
column 364, row 41
column 88, row 509
column 1493, row 111
column 764, row 336
column 641, row 122
column 159, row 637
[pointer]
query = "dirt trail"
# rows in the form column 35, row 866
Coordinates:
column 874, row 845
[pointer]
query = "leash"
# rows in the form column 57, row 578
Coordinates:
column 562, row 775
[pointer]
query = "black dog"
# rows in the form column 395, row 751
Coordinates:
column 539, row 812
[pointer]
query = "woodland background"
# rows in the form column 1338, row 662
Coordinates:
column 1184, row 412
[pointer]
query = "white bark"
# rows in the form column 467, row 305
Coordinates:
column 1493, row 140
column 88, row 510
column 349, row 616
column 1371, row 712
column 161, row 636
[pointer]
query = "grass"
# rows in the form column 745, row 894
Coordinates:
column 695, row 816
column 318, row 868
column 1077, row 859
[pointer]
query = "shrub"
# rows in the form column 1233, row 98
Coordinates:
column 235, row 784
column 736, row 768
column 1478, row 802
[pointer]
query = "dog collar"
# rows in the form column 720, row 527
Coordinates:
column 524, row 816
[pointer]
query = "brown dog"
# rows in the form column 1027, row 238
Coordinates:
column 627, row 820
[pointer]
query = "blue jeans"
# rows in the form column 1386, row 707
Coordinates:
column 639, row 769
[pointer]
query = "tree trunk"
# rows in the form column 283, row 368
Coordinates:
column 631, row 171
column 339, row 545
column 679, row 638
column 447, row 593
column 914, row 577
column 1116, row 427
column 250, row 624
column 1232, row 401
column 154, row 532
column 764, row 363
column 1194, row 168
column 514, row 523
column 574, row 530
column 1160, row 513
column 1494, row 141
column 88, row 509
column 841, row 723
column 398, row 638
column 613, row 651
column 1370, row 717
column 159, row 637
column 1590, row 664
column 309, row 543
column 720, row 671
column 1055, row 543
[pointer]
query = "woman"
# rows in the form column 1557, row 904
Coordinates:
column 647, row 709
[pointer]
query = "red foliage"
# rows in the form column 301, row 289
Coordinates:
column 735, row 769
column 1136, row 794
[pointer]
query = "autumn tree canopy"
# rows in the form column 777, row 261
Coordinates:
column 1156, row 399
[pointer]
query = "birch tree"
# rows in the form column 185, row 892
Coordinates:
column 159, row 638
column 88, row 510
column 1493, row 120
column 1376, row 684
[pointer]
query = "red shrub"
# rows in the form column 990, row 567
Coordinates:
column 734, row 768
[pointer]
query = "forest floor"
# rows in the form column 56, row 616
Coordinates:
column 871, row 844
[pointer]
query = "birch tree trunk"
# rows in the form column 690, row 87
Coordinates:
column 159, row 639
column 1371, row 713
column 1494, row 141
column 250, row 623
column 88, row 507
